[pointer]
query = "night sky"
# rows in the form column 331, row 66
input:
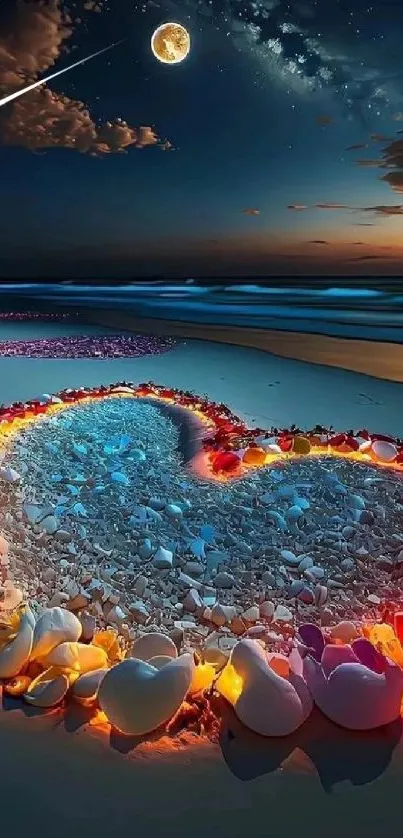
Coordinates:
column 275, row 147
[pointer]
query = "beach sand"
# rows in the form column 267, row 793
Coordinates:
column 375, row 358
column 59, row 779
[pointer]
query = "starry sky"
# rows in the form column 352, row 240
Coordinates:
column 275, row 148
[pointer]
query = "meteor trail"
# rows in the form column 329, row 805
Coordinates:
column 18, row 93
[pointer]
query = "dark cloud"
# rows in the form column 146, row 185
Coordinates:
column 356, row 147
column 251, row 211
column 318, row 241
column 42, row 118
column 297, row 207
column 330, row 205
column 369, row 258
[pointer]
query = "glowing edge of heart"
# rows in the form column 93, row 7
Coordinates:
column 161, row 29
column 229, row 438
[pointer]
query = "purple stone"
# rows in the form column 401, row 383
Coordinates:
column 312, row 637
column 368, row 655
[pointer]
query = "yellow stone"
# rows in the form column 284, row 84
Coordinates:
column 301, row 445
column 254, row 456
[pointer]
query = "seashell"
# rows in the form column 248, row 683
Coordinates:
column 267, row 702
column 80, row 657
column 152, row 645
column 173, row 511
column 312, row 638
column 306, row 596
column 55, row 626
column 345, row 631
column 18, row 685
column 251, row 615
column 295, row 588
column 85, row 689
column 138, row 698
column 222, row 614
column 10, row 475
column 353, row 695
column 48, row 689
column 224, row 580
column 282, row 614
column 163, row 559
column 3, row 546
column 267, row 609
column 254, row 456
column 386, row 452
column 290, row 558
column 12, row 598
column 321, row 595
column 16, row 653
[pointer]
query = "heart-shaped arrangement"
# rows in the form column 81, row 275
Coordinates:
column 273, row 695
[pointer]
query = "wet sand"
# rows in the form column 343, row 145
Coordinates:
column 375, row 358
column 262, row 388
column 58, row 779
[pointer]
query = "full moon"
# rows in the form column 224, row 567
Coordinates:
column 170, row 43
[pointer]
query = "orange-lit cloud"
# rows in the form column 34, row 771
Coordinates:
column 297, row 207
column 44, row 119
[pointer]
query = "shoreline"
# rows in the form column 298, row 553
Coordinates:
column 373, row 358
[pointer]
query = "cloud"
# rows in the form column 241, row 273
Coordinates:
column 251, row 211
column 318, row 241
column 383, row 210
column 368, row 164
column 329, row 205
column 297, row 207
column 369, row 258
column 356, row 146
column 44, row 119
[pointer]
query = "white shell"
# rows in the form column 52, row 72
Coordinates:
column 152, row 645
column 354, row 696
column 86, row 687
column 55, row 625
column 384, row 451
column 80, row 657
column 16, row 654
column 268, row 704
column 47, row 692
column 138, row 698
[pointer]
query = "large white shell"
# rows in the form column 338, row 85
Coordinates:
column 138, row 698
column 80, row 657
column 47, row 690
column 55, row 625
column 269, row 704
column 152, row 645
column 354, row 696
column 86, row 687
column 16, row 654
column 384, row 451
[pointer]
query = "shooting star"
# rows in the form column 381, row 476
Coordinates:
column 19, row 93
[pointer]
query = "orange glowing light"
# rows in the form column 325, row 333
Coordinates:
column 229, row 684
column 203, row 678
column 18, row 686
column 383, row 637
